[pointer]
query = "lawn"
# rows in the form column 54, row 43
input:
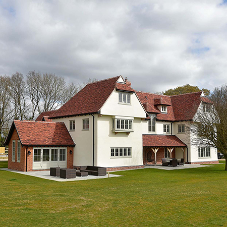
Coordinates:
column 146, row 197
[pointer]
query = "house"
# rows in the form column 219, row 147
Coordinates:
column 110, row 124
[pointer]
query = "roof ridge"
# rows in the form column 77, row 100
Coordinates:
column 103, row 80
column 187, row 93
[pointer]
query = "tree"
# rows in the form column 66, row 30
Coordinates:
column 34, row 81
column 212, row 125
column 185, row 89
column 18, row 96
column 52, row 90
column 5, row 111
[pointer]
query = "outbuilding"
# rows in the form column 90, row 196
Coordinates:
column 39, row 145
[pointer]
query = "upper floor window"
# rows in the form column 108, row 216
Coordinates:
column 181, row 128
column 72, row 125
column 86, row 124
column 164, row 109
column 151, row 123
column 206, row 107
column 124, row 98
column 122, row 125
column 166, row 128
column 203, row 152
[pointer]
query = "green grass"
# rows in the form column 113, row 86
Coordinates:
column 146, row 197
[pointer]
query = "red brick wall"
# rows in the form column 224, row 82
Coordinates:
column 148, row 153
column 21, row 166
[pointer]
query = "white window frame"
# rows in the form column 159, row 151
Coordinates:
column 204, row 152
column 122, row 125
column 166, row 128
column 181, row 128
column 13, row 150
column 120, row 152
column 72, row 125
column 85, row 122
column 164, row 109
column 207, row 108
column 18, row 150
column 152, row 123
column 124, row 98
column 59, row 155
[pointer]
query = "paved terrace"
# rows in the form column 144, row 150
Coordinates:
column 46, row 174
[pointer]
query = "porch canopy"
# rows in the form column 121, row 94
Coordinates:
column 157, row 141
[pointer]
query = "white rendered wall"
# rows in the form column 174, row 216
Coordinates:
column 114, row 108
column 107, row 138
column 83, row 151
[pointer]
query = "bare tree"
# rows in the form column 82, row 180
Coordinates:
column 212, row 126
column 18, row 96
column 52, row 90
column 5, row 113
column 34, row 81
column 69, row 92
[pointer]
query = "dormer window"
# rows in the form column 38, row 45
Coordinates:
column 164, row 109
column 124, row 98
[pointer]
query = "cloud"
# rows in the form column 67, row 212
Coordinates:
column 156, row 44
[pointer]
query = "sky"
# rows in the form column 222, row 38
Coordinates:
column 156, row 44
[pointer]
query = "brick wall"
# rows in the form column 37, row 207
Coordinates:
column 149, row 156
column 21, row 166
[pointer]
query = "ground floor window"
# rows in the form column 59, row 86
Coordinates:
column 121, row 152
column 13, row 150
column 18, row 150
column 47, row 154
column 203, row 152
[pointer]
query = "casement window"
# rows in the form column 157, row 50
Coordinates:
column 124, row 98
column 49, row 154
column 54, row 154
column 164, row 109
column 62, row 154
column 151, row 123
column 86, row 124
column 181, row 128
column 121, row 152
column 37, row 155
column 18, row 151
column 13, row 150
column 207, row 107
column 46, row 155
column 72, row 125
column 203, row 152
column 167, row 153
column 122, row 125
column 166, row 128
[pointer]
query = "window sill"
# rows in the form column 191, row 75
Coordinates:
column 122, row 103
column 114, row 157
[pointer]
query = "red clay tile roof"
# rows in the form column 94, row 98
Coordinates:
column 162, row 141
column 124, row 87
column 185, row 106
column 147, row 99
column 181, row 107
column 41, row 133
column 91, row 98
column 46, row 115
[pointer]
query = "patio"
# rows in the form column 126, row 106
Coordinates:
column 46, row 175
column 185, row 166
